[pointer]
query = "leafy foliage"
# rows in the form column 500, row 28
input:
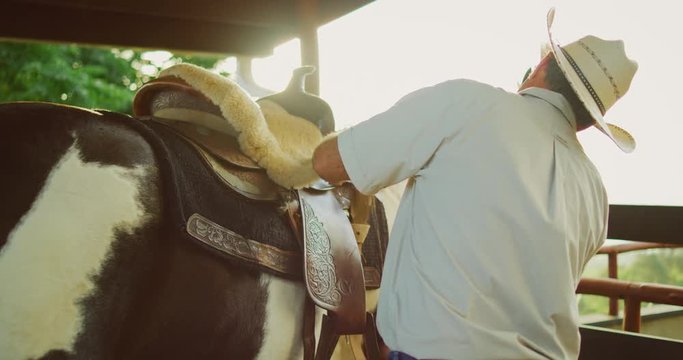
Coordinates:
column 90, row 77
column 664, row 266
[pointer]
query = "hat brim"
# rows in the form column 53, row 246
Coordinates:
column 621, row 137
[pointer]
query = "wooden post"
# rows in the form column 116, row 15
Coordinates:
column 612, row 273
column 631, row 314
column 308, row 35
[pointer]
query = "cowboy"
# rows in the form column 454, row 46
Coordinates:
column 502, row 208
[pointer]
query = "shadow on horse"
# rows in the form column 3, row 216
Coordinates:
column 156, row 237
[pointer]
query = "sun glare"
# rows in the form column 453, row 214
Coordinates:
column 374, row 56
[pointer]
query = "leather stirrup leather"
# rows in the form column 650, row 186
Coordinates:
column 333, row 271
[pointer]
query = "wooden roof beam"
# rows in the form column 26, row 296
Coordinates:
column 45, row 22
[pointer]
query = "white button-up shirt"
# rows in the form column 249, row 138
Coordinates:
column 501, row 212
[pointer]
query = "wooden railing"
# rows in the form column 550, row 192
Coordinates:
column 612, row 252
column 648, row 227
column 634, row 294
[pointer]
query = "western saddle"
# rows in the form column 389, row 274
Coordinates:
column 330, row 223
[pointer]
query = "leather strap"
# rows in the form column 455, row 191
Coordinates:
column 308, row 329
column 328, row 338
column 370, row 338
column 333, row 271
column 361, row 206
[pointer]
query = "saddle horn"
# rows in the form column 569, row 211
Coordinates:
column 300, row 103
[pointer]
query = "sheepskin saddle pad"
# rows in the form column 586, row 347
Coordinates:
column 268, row 137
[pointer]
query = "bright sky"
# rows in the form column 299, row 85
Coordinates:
column 374, row 56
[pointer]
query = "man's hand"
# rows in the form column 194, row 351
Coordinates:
column 327, row 162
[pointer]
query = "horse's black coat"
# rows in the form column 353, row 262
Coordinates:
column 158, row 295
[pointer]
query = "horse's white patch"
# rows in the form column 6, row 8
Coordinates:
column 282, row 331
column 282, row 338
column 47, row 263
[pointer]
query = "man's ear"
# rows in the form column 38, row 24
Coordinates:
column 544, row 62
column 539, row 70
column 526, row 75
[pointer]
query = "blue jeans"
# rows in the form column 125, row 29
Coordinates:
column 397, row 355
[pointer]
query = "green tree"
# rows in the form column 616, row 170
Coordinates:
column 663, row 266
column 90, row 77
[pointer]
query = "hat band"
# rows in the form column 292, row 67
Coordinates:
column 615, row 88
column 585, row 81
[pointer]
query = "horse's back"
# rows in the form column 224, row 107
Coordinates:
column 76, row 184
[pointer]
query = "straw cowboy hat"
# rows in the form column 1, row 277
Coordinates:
column 600, row 73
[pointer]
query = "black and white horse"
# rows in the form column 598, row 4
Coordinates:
column 87, row 270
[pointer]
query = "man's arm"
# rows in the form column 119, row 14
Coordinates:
column 327, row 162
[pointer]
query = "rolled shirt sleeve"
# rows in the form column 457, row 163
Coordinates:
column 396, row 144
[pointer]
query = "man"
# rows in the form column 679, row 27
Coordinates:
column 502, row 209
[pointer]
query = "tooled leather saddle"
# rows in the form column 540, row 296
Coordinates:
column 339, row 234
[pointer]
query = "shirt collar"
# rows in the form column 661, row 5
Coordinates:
column 555, row 99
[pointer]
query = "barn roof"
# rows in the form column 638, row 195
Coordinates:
column 244, row 27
